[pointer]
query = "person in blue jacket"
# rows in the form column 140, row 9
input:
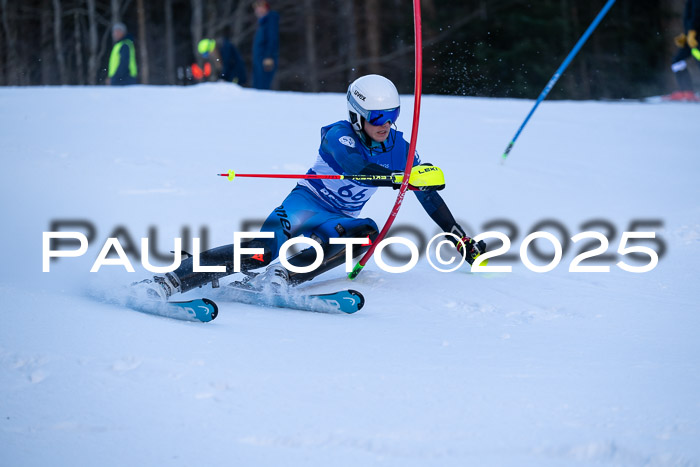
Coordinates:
column 226, row 60
column 265, row 45
column 687, row 43
column 365, row 144
column 122, row 68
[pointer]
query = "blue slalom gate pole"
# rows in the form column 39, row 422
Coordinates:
column 559, row 72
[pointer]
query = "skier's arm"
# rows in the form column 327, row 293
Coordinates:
column 438, row 211
column 273, row 36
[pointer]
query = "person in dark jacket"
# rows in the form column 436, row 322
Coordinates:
column 122, row 61
column 265, row 45
column 226, row 60
column 688, row 47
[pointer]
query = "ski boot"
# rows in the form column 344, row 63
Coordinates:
column 159, row 288
column 473, row 249
column 274, row 278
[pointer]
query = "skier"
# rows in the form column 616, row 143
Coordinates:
column 225, row 58
column 688, row 45
column 365, row 144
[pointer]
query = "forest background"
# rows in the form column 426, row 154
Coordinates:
column 494, row 48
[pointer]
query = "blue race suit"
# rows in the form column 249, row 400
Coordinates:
column 323, row 209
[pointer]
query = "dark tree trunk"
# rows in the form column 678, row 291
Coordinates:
column 196, row 24
column 9, row 23
column 79, row 71
column 239, row 20
column 310, row 39
column 568, row 38
column 93, row 58
column 46, row 36
column 169, row 43
column 584, row 83
column 348, row 46
column 373, row 35
column 115, row 9
column 144, row 70
column 58, row 40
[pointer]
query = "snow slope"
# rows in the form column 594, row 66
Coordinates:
column 519, row 368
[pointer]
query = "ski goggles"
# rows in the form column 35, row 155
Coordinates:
column 375, row 117
column 380, row 117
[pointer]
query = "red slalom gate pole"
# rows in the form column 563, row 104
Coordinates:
column 412, row 146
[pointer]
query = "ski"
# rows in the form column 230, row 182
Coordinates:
column 199, row 309
column 343, row 301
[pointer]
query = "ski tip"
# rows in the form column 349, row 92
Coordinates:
column 214, row 306
column 360, row 297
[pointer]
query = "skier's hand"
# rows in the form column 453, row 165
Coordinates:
column 424, row 177
column 473, row 249
column 692, row 39
column 268, row 64
column 679, row 40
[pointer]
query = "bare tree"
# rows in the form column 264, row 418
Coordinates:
column 348, row 47
column 143, row 42
column 78, row 45
column 115, row 8
column 169, row 43
column 58, row 40
column 196, row 23
column 93, row 60
column 239, row 19
column 9, row 21
column 373, row 35
column 210, row 29
column 310, row 39
column 581, row 65
column 46, row 36
column 569, row 79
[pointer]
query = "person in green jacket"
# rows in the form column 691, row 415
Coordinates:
column 122, row 61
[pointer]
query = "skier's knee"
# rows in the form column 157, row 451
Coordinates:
column 351, row 228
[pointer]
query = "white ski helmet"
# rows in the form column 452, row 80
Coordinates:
column 373, row 98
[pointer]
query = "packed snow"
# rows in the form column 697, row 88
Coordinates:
column 464, row 368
